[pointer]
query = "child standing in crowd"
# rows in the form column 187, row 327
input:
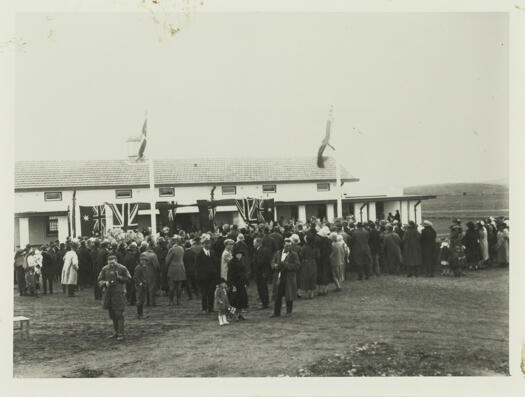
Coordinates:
column 222, row 303
column 445, row 258
column 457, row 260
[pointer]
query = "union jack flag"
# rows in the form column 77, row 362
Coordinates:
column 124, row 215
column 93, row 220
column 249, row 209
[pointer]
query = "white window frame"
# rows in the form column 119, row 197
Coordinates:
column 53, row 199
column 323, row 190
column 49, row 232
column 229, row 193
column 123, row 190
column 172, row 194
column 274, row 189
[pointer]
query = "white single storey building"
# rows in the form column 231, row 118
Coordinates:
column 49, row 194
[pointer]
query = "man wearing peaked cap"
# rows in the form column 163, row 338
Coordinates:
column 113, row 278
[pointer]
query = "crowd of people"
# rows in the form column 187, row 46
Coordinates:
column 285, row 260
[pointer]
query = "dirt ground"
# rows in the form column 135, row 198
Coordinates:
column 388, row 325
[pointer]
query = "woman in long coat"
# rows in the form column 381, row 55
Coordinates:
column 240, row 245
column 324, row 270
column 483, row 241
column 237, row 278
column 428, row 248
column 310, row 257
column 337, row 260
column 226, row 257
column 412, row 250
column 70, row 269
column 176, row 272
column 472, row 248
column 502, row 246
column 392, row 250
column 162, row 252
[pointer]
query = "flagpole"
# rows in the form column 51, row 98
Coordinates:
column 339, row 190
column 153, row 200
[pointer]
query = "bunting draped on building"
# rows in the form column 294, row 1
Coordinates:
column 167, row 211
column 204, row 215
column 92, row 220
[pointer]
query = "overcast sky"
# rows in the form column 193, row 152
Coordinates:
column 418, row 98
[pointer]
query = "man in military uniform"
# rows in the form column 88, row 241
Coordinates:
column 113, row 278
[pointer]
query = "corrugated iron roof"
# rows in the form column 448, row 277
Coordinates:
column 67, row 174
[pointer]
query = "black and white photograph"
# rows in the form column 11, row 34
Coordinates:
column 302, row 194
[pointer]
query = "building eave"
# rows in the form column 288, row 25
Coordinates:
column 175, row 185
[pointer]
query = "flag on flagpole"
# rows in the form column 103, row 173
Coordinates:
column 325, row 142
column 143, row 138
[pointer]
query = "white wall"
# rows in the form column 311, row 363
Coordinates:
column 34, row 201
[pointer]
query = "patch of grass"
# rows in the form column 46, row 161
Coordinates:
column 436, row 326
column 383, row 359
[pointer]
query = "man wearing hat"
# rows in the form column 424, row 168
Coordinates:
column 113, row 278
column 207, row 273
column 360, row 251
column 48, row 271
column 262, row 258
column 286, row 263
column 20, row 265
column 130, row 261
column 412, row 257
column 428, row 248
column 374, row 242
column 152, row 268
column 101, row 261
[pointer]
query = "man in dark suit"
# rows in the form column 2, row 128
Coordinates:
column 277, row 237
column 130, row 261
column 360, row 251
column 207, row 272
column 84, row 265
column 374, row 243
column 262, row 258
column 60, row 259
column 428, row 248
column 152, row 269
column 218, row 246
column 102, row 260
column 48, row 270
column 286, row 263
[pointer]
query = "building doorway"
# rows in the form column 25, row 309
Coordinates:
column 321, row 211
column 380, row 210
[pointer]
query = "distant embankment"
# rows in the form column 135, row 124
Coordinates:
column 468, row 201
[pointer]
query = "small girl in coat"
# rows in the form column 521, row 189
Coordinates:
column 221, row 303
column 457, row 260
column 445, row 259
